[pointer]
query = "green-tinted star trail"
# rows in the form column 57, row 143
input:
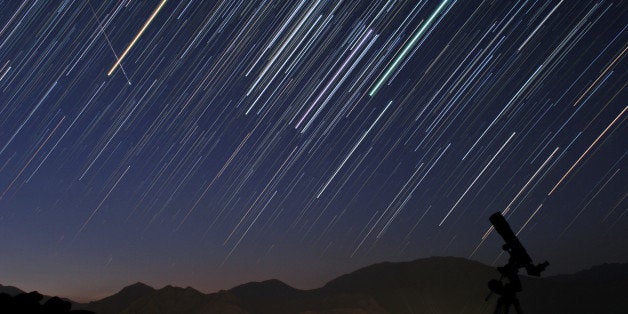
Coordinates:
column 407, row 49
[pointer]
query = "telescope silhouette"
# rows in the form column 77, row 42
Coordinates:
column 519, row 258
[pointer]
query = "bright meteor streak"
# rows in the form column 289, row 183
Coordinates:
column 407, row 49
column 139, row 34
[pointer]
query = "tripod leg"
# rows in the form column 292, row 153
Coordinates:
column 517, row 306
column 502, row 306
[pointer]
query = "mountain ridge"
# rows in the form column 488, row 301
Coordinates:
column 429, row 285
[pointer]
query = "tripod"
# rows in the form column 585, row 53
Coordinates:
column 507, row 292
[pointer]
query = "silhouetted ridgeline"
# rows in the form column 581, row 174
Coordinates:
column 15, row 301
column 432, row 285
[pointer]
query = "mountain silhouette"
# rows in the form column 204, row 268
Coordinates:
column 601, row 289
column 121, row 300
column 10, row 290
column 174, row 300
column 33, row 303
column 15, row 300
column 431, row 285
column 269, row 294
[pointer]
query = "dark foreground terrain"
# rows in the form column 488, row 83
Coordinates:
column 432, row 285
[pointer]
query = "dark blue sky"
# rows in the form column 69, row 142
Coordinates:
column 244, row 140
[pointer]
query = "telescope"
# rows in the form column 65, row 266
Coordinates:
column 519, row 258
column 518, row 255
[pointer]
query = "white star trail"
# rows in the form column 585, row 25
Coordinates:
column 308, row 134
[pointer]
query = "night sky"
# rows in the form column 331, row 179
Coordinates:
column 212, row 143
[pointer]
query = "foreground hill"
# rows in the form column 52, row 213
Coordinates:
column 432, row 285
column 14, row 291
column 601, row 289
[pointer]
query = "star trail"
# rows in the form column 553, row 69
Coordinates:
column 210, row 143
